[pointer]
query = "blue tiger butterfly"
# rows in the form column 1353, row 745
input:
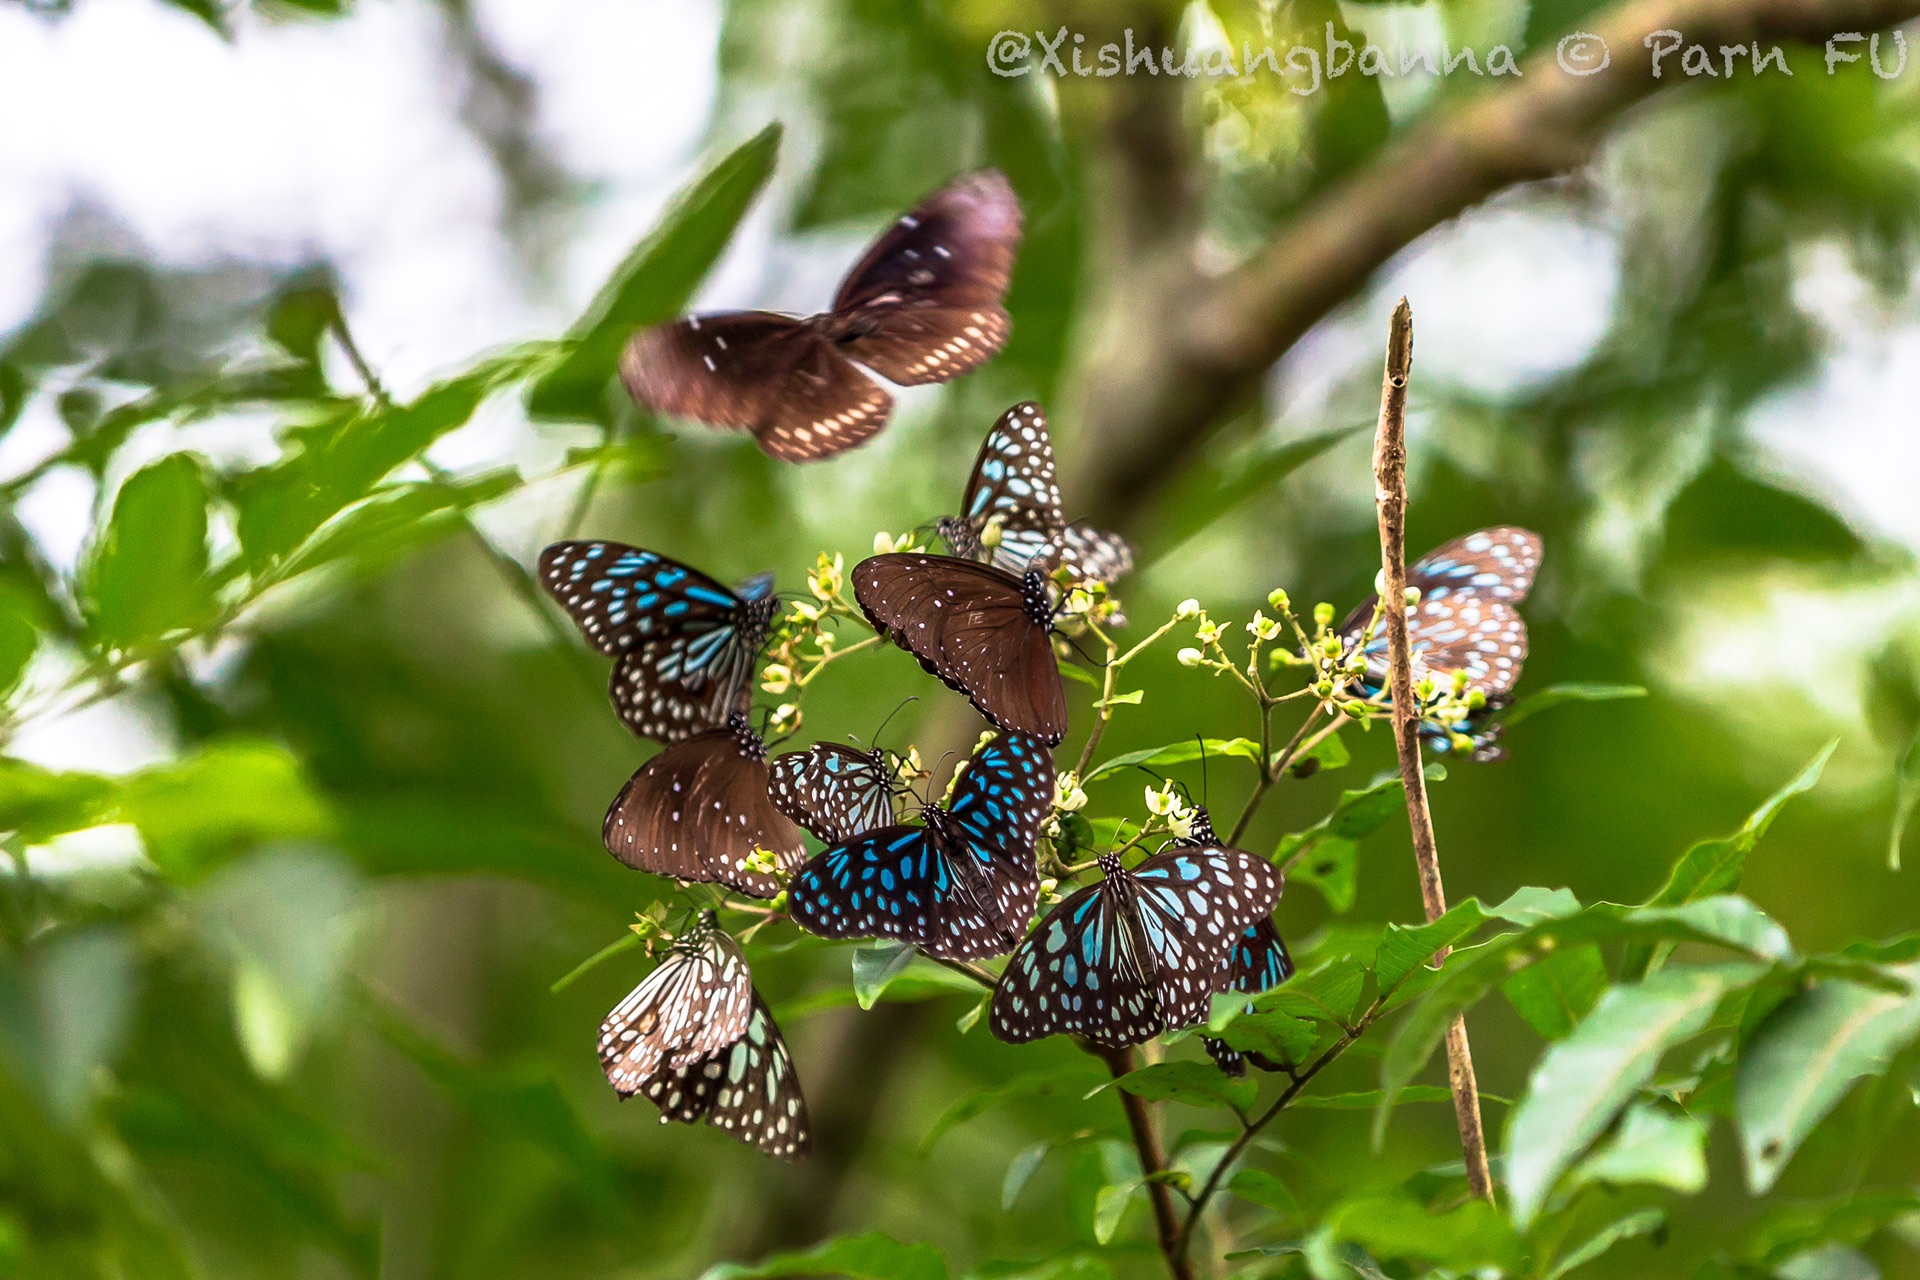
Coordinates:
column 960, row 886
column 1136, row 954
column 684, row 645
column 1467, row 620
column 834, row 791
column 699, row 1042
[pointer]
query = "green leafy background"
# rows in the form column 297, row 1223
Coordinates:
column 278, row 1004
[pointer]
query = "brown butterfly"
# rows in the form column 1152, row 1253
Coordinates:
column 923, row 305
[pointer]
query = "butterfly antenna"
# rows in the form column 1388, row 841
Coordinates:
column 1092, row 661
column 889, row 720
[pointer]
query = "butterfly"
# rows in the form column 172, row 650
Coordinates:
column 697, row 809
column 1143, row 950
column 1259, row 963
column 960, row 886
column 834, row 791
column 1467, row 620
column 984, row 631
column 684, row 645
column 923, row 305
column 699, row 1042
column 1013, row 496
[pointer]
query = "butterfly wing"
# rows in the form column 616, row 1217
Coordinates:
column 833, row 791
column 900, row 883
column 1094, row 555
column 697, row 809
column 693, row 1004
column 976, row 628
column 748, row 1089
column 782, row 379
column 1194, row 905
column 684, row 644
column 1012, row 487
column 999, row 804
column 1079, row 973
column 1260, row 959
column 924, row 304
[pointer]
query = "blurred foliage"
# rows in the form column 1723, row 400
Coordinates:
column 279, row 1003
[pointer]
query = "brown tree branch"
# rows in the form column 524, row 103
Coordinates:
column 1390, row 482
column 1153, row 1161
column 1210, row 342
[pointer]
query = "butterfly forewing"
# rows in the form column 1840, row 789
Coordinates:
column 696, row 810
column 727, row 369
column 684, row 645
column 833, row 791
column 1001, row 802
column 692, row 1005
column 981, row 630
column 747, row 1088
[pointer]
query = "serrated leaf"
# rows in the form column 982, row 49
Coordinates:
column 1405, row 948
column 1199, row 1084
column 147, row 575
column 867, row 1257
column 1278, row 1036
column 1805, row 1057
column 1584, row 1081
column 1555, row 993
column 1561, row 694
column 656, row 279
column 1714, row 867
column 1181, row 752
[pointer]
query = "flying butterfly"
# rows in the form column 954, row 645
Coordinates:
column 1140, row 952
column 982, row 630
column 1468, row 620
column 1012, row 501
column 697, row 1040
column 923, row 305
column 835, row 791
column 697, row 809
column 684, row 646
column 962, row 885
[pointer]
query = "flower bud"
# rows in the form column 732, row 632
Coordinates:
column 1277, row 599
column 1189, row 608
column 1323, row 688
column 1411, row 595
column 882, row 543
column 1323, row 614
column 1188, row 657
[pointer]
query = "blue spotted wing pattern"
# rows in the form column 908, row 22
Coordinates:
column 694, row 1004
column 1467, row 619
column 684, row 646
column 697, row 809
column 962, row 885
column 1140, row 952
column 747, row 1088
column 1259, row 963
column 834, row 791
column 1010, row 513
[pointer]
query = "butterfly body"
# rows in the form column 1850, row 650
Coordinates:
column 834, row 791
column 982, row 630
column 697, row 809
column 1466, row 620
column 962, row 884
column 923, row 305
column 684, row 646
column 1136, row 954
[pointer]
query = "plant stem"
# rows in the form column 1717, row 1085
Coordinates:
column 972, row 970
column 1153, row 1161
column 1271, row 769
column 1390, row 482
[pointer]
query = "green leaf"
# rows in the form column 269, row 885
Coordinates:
column 655, row 280
column 1531, row 905
column 1265, row 1190
column 1328, row 753
column 1199, row 1084
column 1472, row 1236
column 1638, row 1223
column 869, row 1257
column 1332, row 869
column 1066, row 1082
column 1109, row 1207
column 1560, row 694
column 1072, row 672
column 1906, row 782
column 38, row 804
column 19, row 637
column 1209, row 491
column 874, row 967
column 1805, row 1057
column 197, row 813
column 1555, row 993
column 1280, row 1037
column 1021, row 1171
column 1790, row 1228
column 1652, row 1147
column 1405, row 948
column 1368, row 1099
column 1585, row 1080
column 1178, row 753
column 1355, row 816
column 395, row 518
column 147, row 576
column 1716, row 866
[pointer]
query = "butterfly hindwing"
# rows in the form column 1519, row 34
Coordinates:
column 693, row 1004
column 961, row 886
column 684, row 645
column 981, row 630
column 1260, row 962
column 747, row 1088
column 833, row 791
column 697, row 809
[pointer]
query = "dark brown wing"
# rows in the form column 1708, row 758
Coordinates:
column 696, row 810
column 976, row 628
column 924, row 304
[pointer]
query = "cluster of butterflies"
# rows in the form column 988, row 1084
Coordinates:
column 1118, row 961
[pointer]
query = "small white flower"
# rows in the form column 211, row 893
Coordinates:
column 1067, row 795
column 1262, row 627
column 1189, row 608
column 777, row 678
